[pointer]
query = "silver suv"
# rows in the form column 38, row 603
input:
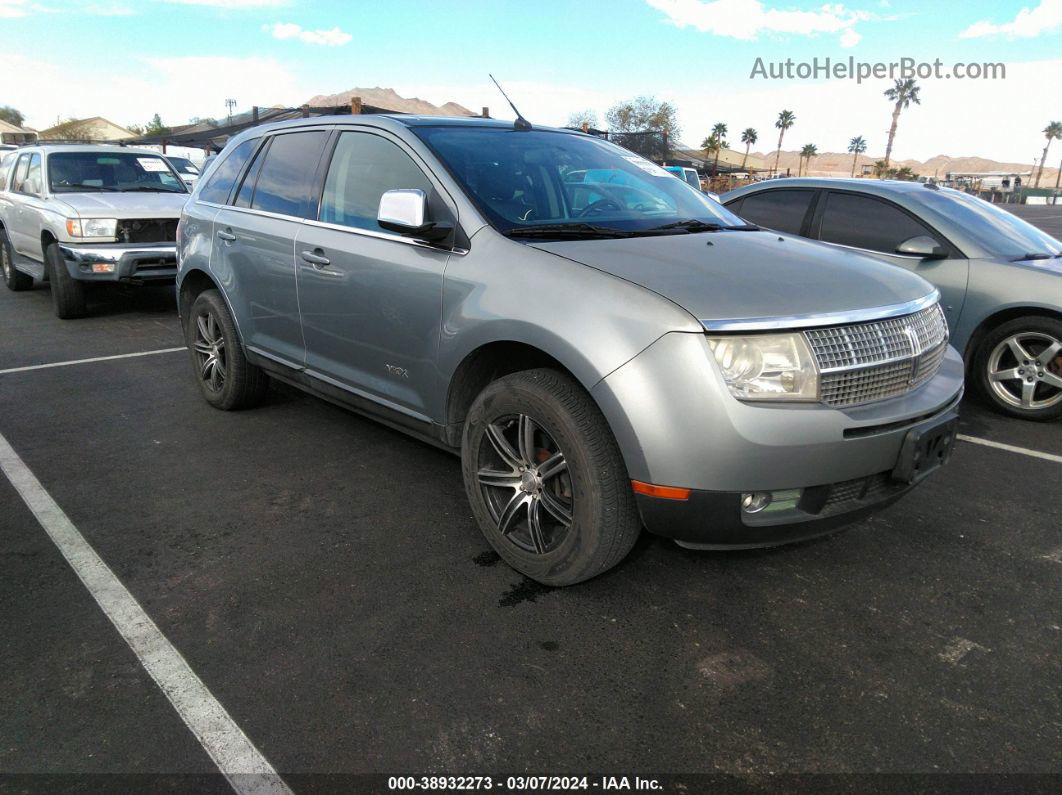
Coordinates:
column 73, row 214
column 606, row 352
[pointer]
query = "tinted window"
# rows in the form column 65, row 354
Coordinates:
column 868, row 223
column 246, row 191
column 998, row 231
column 363, row 167
column 782, row 210
column 285, row 182
column 219, row 186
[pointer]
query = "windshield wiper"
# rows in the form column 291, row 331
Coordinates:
column 567, row 230
column 1033, row 255
column 695, row 225
column 77, row 186
column 152, row 190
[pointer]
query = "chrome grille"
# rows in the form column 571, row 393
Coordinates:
column 881, row 359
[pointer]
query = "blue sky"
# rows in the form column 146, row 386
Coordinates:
column 127, row 59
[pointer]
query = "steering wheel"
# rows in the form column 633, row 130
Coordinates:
column 597, row 206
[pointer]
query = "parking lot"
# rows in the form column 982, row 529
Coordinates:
column 323, row 577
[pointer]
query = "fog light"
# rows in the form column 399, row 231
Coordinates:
column 754, row 502
column 103, row 267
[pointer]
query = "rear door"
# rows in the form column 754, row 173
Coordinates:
column 254, row 241
column 877, row 226
column 26, row 187
column 371, row 300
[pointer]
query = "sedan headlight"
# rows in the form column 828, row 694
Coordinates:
column 767, row 366
column 92, row 227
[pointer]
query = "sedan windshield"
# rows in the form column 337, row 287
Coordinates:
column 1003, row 234
column 570, row 184
column 80, row 172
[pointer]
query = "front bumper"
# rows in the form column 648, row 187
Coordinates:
column 140, row 262
column 677, row 425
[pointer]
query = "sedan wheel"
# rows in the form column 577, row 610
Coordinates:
column 1018, row 368
column 1025, row 371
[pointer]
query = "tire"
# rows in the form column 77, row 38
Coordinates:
column 14, row 279
column 68, row 295
column 225, row 377
column 1018, row 368
column 591, row 487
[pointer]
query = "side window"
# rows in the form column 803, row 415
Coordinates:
column 285, row 181
column 782, row 210
column 362, row 168
column 32, row 182
column 6, row 163
column 20, row 173
column 220, row 184
column 863, row 222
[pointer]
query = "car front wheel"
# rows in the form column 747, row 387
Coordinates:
column 546, row 480
column 1019, row 368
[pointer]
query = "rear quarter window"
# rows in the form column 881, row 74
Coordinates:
column 219, row 186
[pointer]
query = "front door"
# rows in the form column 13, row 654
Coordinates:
column 877, row 227
column 371, row 300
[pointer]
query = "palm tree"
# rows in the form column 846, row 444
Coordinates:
column 880, row 168
column 1052, row 131
column 785, row 121
column 856, row 146
column 903, row 93
column 809, row 151
column 906, row 173
column 748, row 137
column 710, row 145
column 719, row 134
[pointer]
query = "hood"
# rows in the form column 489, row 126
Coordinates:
column 124, row 205
column 748, row 275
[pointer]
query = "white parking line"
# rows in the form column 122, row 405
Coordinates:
column 1010, row 448
column 89, row 361
column 234, row 754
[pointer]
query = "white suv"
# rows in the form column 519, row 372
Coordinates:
column 71, row 214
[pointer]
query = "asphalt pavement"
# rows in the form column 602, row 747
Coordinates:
column 323, row 577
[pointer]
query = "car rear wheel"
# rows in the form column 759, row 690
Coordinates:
column 68, row 295
column 14, row 279
column 225, row 377
column 546, row 480
column 1019, row 368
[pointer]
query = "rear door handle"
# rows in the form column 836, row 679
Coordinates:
column 315, row 259
column 226, row 235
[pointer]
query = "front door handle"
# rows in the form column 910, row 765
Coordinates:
column 315, row 259
column 226, row 235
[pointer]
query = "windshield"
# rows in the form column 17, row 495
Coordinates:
column 526, row 179
column 997, row 231
column 80, row 172
column 184, row 165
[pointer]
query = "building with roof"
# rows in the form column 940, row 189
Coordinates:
column 13, row 134
column 95, row 128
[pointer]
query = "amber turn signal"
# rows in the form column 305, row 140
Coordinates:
column 663, row 492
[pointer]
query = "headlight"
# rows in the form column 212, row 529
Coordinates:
column 767, row 366
column 92, row 227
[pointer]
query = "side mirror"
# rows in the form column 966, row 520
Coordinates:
column 405, row 211
column 922, row 246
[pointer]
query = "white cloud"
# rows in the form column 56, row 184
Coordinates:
column 176, row 88
column 12, row 9
column 1030, row 22
column 747, row 19
column 325, row 38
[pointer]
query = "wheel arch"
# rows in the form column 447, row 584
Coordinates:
column 998, row 318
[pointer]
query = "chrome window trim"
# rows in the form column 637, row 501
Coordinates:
column 785, row 322
column 384, row 236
